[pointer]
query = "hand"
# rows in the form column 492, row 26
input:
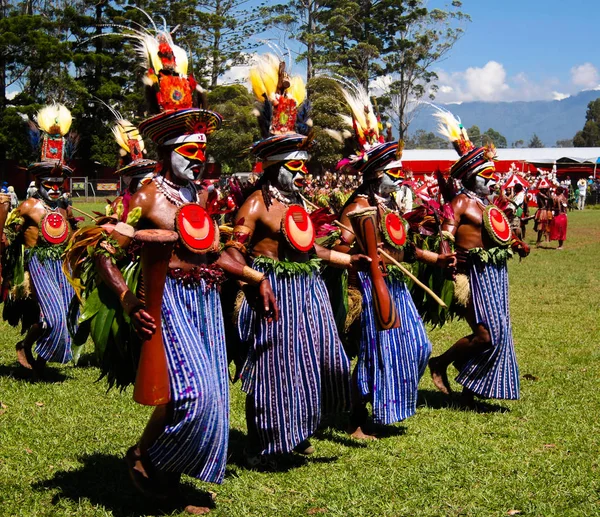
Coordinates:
column 144, row 324
column 521, row 248
column 267, row 305
column 360, row 262
column 446, row 260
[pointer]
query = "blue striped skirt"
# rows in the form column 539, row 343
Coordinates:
column 391, row 362
column 493, row 373
column 53, row 293
column 195, row 442
column 296, row 370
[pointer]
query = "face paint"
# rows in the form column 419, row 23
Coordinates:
column 286, row 180
column 50, row 189
column 482, row 186
column 187, row 160
column 387, row 186
column 298, row 170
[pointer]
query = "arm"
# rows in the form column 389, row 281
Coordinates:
column 233, row 258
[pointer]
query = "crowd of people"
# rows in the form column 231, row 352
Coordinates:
column 156, row 277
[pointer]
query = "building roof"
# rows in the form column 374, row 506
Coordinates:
column 542, row 156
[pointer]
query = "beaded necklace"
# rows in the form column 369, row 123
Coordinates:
column 176, row 194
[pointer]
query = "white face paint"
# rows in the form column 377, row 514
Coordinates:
column 287, row 180
column 185, row 168
column 482, row 186
column 50, row 188
column 387, row 186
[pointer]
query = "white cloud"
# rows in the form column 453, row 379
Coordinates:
column 585, row 76
column 491, row 82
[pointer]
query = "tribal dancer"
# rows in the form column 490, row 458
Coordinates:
column 189, row 433
column 38, row 230
column 296, row 370
column 392, row 355
column 485, row 359
column 543, row 214
column 558, row 226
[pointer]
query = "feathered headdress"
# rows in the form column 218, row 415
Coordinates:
column 132, row 149
column 51, row 126
column 280, row 96
column 473, row 160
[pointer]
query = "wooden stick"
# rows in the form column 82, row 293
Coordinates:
column 309, row 203
column 398, row 265
column 84, row 213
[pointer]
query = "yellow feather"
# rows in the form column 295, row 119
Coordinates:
column 181, row 60
column 124, row 131
column 297, row 89
column 448, row 126
column 258, row 86
column 54, row 118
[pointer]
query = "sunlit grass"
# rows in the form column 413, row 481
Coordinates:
column 62, row 442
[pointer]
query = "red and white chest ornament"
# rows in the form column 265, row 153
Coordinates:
column 54, row 228
column 497, row 225
column 394, row 229
column 198, row 232
column 298, row 228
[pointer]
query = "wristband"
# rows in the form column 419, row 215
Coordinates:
column 252, row 276
column 340, row 259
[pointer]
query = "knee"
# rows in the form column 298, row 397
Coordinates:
column 482, row 336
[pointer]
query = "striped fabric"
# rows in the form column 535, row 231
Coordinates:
column 53, row 294
column 493, row 373
column 195, row 443
column 296, row 370
column 391, row 362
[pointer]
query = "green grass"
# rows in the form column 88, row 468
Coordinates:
column 62, row 442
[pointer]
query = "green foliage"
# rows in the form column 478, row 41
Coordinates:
column 490, row 136
column 589, row 136
column 286, row 268
column 240, row 129
column 535, row 142
column 425, row 140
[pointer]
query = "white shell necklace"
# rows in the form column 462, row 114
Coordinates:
column 176, row 194
column 279, row 196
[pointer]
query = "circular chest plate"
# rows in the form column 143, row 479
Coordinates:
column 497, row 225
column 298, row 228
column 395, row 229
column 197, row 230
column 54, row 228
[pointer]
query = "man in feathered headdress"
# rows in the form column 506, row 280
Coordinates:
column 187, row 434
column 393, row 352
column 42, row 225
column 485, row 359
column 296, row 369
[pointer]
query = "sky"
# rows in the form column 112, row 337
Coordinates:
column 516, row 50
column 523, row 50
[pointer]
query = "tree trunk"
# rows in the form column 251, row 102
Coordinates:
column 310, row 46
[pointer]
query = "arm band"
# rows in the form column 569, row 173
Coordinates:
column 339, row 259
column 252, row 276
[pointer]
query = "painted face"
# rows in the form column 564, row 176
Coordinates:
column 483, row 186
column 292, row 175
column 388, row 186
column 187, row 160
column 50, row 189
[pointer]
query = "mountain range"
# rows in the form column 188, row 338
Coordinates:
column 550, row 120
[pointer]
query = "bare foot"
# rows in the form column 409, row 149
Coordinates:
column 439, row 376
column 22, row 355
column 304, row 447
column 196, row 510
column 359, row 434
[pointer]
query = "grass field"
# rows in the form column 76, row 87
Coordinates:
column 62, row 441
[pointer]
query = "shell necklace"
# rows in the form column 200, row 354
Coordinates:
column 176, row 194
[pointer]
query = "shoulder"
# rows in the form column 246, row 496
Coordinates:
column 29, row 205
column 460, row 203
column 147, row 194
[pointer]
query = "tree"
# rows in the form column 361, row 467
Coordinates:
column 239, row 130
column 494, row 137
column 518, row 144
column 474, row 135
column 535, row 142
column 424, row 140
column 413, row 39
column 298, row 20
column 568, row 142
column 589, row 136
